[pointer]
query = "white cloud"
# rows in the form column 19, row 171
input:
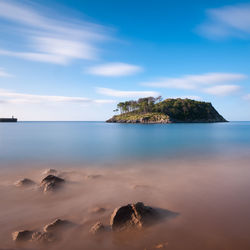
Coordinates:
column 3, row 73
column 195, row 81
column 222, row 89
column 15, row 97
column 247, row 97
column 39, row 57
column 126, row 94
column 50, row 39
column 114, row 69
column 227, row 21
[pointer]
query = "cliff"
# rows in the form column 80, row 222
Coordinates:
column 148, row 110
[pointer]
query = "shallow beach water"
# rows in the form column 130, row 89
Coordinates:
column 205, row 186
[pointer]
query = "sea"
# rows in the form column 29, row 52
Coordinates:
column 96, row 143
column 197, row 174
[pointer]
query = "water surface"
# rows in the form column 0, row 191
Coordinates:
column 105, row 143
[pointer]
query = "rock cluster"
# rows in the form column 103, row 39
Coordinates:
column 49, row 234
column 50, row 183
column 131, row 216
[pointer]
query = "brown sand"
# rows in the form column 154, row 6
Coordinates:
column 211, row 196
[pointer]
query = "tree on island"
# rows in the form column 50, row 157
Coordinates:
column 143, row 105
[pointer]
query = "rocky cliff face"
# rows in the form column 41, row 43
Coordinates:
column 140, row 118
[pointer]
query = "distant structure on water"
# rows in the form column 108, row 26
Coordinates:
column 12, row 119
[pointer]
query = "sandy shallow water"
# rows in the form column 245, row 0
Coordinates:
column 210, row 196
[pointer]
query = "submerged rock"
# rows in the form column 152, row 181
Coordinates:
column 51, row 183
column 23, row 235
column 97, row 228
column 58, row 226
column 43, row 237
column 132, row 215
column 25, row 183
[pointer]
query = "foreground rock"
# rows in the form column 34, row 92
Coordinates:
column 132, row 216
column 22, row 236
column 51, row 232
column 97, row 228
column 51, row 183
column 25, row 183
column 58, row 226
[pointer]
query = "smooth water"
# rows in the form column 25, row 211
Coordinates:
column 105, row 143
column 200, row 172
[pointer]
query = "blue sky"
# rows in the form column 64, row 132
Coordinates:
column 76, row 59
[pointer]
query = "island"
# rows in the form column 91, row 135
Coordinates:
column 155, row 110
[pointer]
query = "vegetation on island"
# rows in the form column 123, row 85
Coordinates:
column 156, row 110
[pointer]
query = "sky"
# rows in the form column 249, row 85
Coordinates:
column 75, row 60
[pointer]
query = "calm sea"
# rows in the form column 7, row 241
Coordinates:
column 105, row 143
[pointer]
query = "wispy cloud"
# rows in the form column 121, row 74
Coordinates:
column 15, row 97
column 189, row 82
column 246, row 97
column 114, row 69
column 50, row 39
column 222, row 90
column 126, row 94
column 227, row 21
column 3, row 73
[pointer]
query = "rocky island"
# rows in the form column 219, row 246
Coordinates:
column 156, row 110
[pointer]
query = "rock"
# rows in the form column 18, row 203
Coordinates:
column 24, row 235
column 51, row 183
column 43, row 237
column 25, row 183
column 58, row 225
column 97, row 228
column 132, row 215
